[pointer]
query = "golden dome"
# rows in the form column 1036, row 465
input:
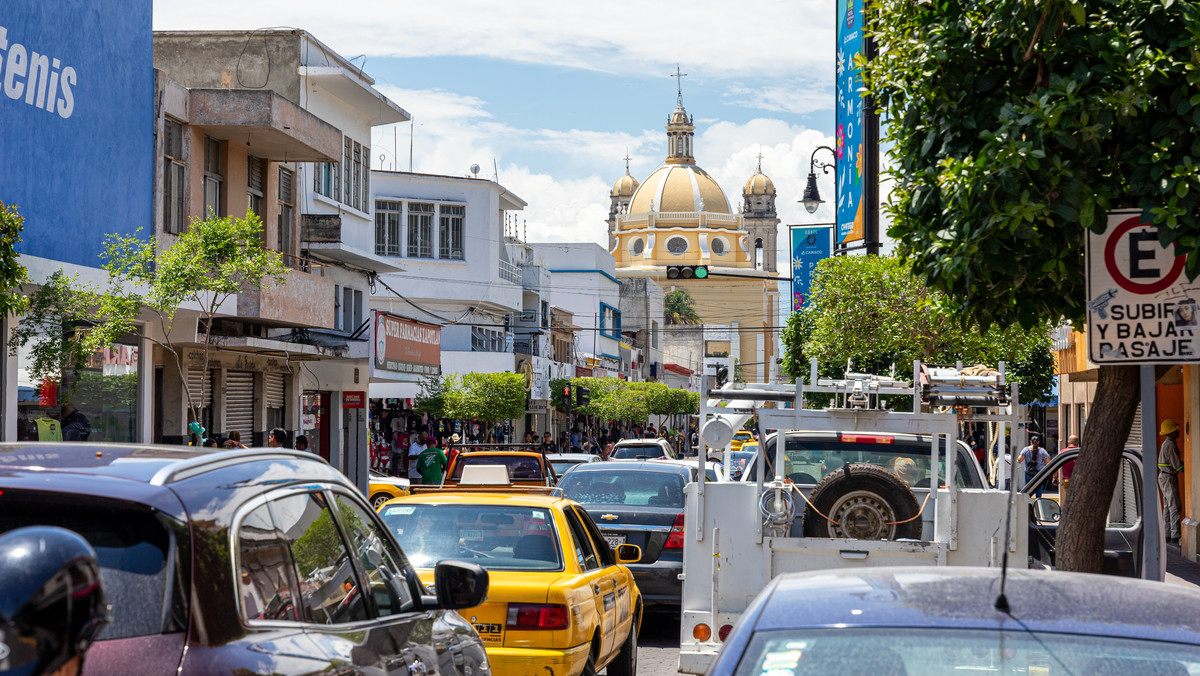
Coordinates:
column 679, row 187
column 625, row 186
column 759, row 184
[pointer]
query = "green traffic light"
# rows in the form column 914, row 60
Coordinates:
column 701, row 273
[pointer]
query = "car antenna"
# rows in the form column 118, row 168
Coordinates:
column 1001, row 602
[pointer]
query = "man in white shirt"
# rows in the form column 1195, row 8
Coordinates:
column 413, row 451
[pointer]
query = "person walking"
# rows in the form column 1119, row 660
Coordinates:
column 1064, row 473
column 1169, row 467
column 431, row 464
column 1033, row 458
column 414, row 451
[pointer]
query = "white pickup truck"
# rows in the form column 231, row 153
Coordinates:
column 856, row 484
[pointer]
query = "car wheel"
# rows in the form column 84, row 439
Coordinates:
column 589, row 669
column 379, row 499
column 625, row 663
column 862, row 502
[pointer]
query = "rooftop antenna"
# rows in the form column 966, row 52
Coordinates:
column 495, row 171
column 678, row 83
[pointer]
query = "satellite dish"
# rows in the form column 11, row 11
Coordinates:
column 475, row 170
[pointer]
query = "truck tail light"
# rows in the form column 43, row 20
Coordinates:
column 537, row 616
column 701, row 632
column 867, row 438
column 723, row 632
column 675, row 537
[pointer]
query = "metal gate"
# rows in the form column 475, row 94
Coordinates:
column 274, row 388
column 239, row 404
column 196, row 381
column 1134, row 440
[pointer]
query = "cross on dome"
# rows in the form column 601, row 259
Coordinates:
column 678, row 75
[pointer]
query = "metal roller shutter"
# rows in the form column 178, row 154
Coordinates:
column 273, row 384
column 196, row 380
column 1135, row 431
column 239, row 404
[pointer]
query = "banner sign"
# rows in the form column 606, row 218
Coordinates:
column 810, row 244
column 851, row 121
column 1141, row 307
column 407, row 346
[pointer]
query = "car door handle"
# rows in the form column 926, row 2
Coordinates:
column 596, row 588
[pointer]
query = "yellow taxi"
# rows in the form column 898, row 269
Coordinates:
column 525, row 468
column 740, row 437
column 382, row 488
column 560, row 601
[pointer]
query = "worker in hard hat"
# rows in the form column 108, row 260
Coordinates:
column 1169, row 467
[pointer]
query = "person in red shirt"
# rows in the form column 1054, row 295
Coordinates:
column 1064, row 473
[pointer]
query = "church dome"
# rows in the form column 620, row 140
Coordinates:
column 625, row 186
column 759, row 184
column 679, row 187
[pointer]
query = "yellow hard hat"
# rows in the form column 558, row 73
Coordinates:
column 1168, row 426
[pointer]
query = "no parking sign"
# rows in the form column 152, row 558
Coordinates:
column 1141, row 307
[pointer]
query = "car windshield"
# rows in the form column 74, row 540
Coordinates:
column 561, row 466
column 519, row 466
column 913, row 650
column 810, row 459
column 134, row 549
column 737, row 463
column 497, row 537
column 635, row 451
column 635, row 487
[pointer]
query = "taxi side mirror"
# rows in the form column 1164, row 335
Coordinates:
column 1045, row 509
column 629, row 553
column 459, row 584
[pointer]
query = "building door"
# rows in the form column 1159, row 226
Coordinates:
column 275, row 391
column 199, row 394
column 239, row 405
column 314, row 422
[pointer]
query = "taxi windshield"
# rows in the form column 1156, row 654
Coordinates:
column 519, row 466
column 497, row 537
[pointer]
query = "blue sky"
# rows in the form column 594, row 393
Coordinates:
column 553, row 94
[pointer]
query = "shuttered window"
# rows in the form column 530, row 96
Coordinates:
column 239, row 404
column 196, row 381
column 274, row 389
column 1134, row 440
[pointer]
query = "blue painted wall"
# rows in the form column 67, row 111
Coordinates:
column 76, row 122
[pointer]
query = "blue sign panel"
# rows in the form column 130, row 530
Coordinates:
column 810, row 244
column 77, row 105
column 851, row 121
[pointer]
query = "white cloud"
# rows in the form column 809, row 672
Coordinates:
column 797, row 98
column 772, row 38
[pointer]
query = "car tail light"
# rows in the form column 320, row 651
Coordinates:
column 723, row 633
column 701, row 632
column 866, row 438
column 537, row 616
column 675, row 537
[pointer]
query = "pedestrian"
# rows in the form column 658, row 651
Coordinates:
column 301, row 443
column 278, row 438
column 1169, row 467
column 1033, row 458
column 74, row 424
column 1064, row 472
column 431, row 464
column 606, row 454
column 234, row 440
column 454, row 450
column 548, row 444
column 414, row 451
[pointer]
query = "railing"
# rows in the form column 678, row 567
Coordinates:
column 704, row 218
column 510, row 272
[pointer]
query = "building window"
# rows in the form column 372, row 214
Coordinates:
column 420, row 230
column 719, row 246
column 365, row 201
column 351, row 307
column 450, row 232
column 328, row 179
column 254, row 185
column 487, row 340
column 356, row 195
column 387, row 227
column 638, row 246
column 677, row 245
column 758, row 254
column 653, row 334
column 610, row 321
column 287, row 216
column 174, row 177
column 347, row 169
column 212, row 177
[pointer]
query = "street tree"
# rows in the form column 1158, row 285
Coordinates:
column 12, row 274
column 1015, row 127
column 680, row 308
column 490, row 397
column 431, row 399
column 873, row 311
column 205, row 267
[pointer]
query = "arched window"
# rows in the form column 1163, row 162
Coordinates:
column 758, row 254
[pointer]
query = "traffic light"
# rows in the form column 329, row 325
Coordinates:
column 583, row 396
column 567, row 393
column 687, row 272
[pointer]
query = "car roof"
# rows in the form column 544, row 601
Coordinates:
column 569, row 456
column 640, row 442
column 481, row 497
column 629, row 465
column 502, row 454
column 962, row 597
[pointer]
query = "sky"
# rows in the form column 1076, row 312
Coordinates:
column 548, row 97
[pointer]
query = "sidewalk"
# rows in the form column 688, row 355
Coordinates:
column 1180, row 571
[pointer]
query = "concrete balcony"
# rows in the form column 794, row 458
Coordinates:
column 304, row 300
column 271, row 126
column 326, row 236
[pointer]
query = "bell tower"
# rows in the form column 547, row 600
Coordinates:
column 619, row 198
column 761, row 220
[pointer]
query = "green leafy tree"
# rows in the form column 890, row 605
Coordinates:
column 431, row 399
column 680, row 308
column 1014, row 127
column 205, row 267
column 486, row 396
column 12, row 274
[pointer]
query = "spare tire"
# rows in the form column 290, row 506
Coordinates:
column 863, row 502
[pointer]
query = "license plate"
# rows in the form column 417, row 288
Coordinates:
column 615, row 540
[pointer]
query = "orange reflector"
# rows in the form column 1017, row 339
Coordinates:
column 701, row 632
column 724, row 632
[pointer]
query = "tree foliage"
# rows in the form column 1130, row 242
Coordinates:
column 616, row 399
column 484, row 396
column 12, row 274
column 874, row 311
column 680, row 308
column 431, row 400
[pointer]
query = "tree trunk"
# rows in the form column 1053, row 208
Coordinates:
column 1080, row 541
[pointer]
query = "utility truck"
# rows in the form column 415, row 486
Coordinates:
column 853, row 484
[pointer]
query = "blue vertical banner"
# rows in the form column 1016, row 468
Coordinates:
column 810, row 244
column 851, row 121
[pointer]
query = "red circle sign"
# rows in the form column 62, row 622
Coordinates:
column 1110, row 262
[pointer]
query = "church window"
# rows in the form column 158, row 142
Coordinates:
column 758, row 254
column 719, row 247
column 637, row 246
column 679, row 146
column 677, row 245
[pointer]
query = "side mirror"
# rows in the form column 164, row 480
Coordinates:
column 1045, row 509
column 459, row 585
column 628, row 553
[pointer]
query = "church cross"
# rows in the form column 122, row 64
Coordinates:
column 627, row 158
column 679, row 81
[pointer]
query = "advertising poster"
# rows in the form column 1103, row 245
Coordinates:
column 810, row 244
column 851, row 122
column 406, row 346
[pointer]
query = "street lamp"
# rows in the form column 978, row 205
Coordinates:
column 812, row 196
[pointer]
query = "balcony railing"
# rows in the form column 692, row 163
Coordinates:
column 510, row 272
column 664, row 218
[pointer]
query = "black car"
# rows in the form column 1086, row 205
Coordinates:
column 639, row 503
column 243, row 561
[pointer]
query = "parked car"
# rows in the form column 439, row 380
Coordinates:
column 561, row 462
column 525, row 468
column 641, row 503
column 740, row 437
column 713, row 470
column 560, row 602
column 642, row 449
column 942, row 620
column 382, row 488
column 242, row 561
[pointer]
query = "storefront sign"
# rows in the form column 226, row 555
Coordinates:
column 1141, row 307
column 354, row 399
column 407, row 346
column 810, row 244
column 538, row 407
